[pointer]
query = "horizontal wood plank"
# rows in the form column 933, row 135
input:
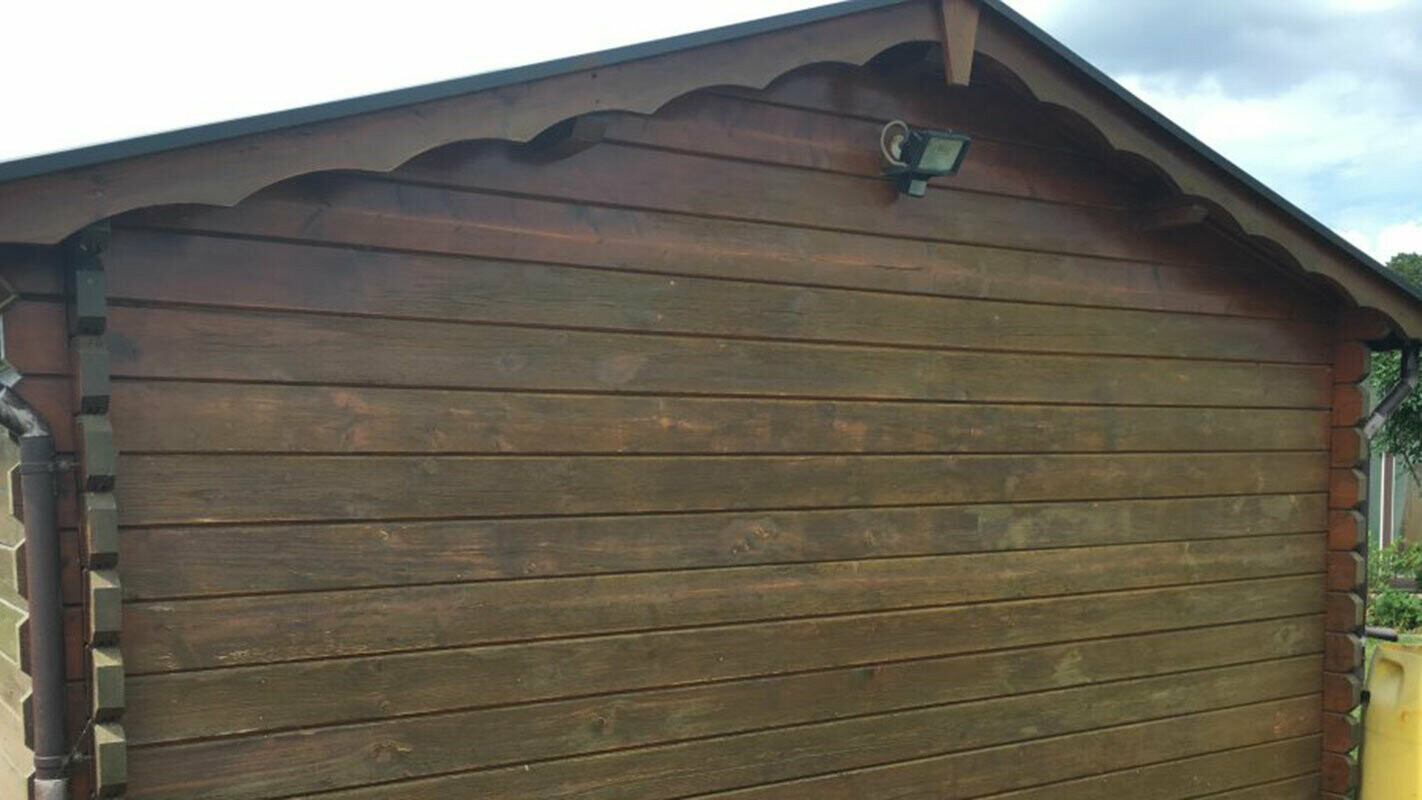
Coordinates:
column 1304, row 787
column 1188, row 778
column 921, row 99
column 635, row 177
column 971, row 774
column 204, row 703
column 248, row 488
column 1057, row 758
column 250, row 346
column 171, row 416
column 367, row 753
column 37, row 338
column 196, row 634
column 304, row 761
column 365, row 213
column 275, row 558
column 151, row 266
column 724, row 125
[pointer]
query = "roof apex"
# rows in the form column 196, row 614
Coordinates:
column 49, row 197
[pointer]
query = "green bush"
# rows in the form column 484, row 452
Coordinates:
column 1402, row 435
column 1396, row 609
column 1389, row 607
column 1397, row 560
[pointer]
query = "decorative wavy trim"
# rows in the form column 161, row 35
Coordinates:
column 46, row 208
column 1038, row 73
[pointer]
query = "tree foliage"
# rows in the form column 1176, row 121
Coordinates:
column 1402, row 435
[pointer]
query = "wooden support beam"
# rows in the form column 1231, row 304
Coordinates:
column 1345, row 572
column 100, row 522
column 110, row 760
column 1350, row 448
column 1342, row 692
column 960, row 36
column 1351, row 362
column 1343, row 652
column 1350, row 405
column 1341, row 733
column 87, row 311
column 90, row 356
column 106, row 683
column 97, row 457
column 1343, row 611
column 1346, row 529
column 105, row 607
column 1347, row 489
column 1340, row 772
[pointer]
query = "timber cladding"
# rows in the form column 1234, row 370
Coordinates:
column 697, row 464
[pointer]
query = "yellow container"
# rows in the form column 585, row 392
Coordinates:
column 1392, row 725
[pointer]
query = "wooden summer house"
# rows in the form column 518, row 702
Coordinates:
column 616, row 429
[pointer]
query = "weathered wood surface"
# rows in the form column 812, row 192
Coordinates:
column 719, row 188
column 921, row 99
column 37, row 339
column 1304, row 787
column 238, row 488
column 229, row 632
column 282, row 764
column 282, row 558
column 837, row 678
column 249, row 346
column 153, row 267
column 448, row 481
column 370, row 213
column 175, row 416
column 1005, row 158
column 1177, row 780
column 971, row 774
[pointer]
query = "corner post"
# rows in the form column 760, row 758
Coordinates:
column 99, row 545
column 1347, row 547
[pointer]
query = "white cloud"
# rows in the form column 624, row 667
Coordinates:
column 1404, row 237
column 1401, row 237
column 1335, row 145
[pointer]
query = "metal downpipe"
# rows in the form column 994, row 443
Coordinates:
column 46, row 605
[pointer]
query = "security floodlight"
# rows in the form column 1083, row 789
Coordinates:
column 915, row 155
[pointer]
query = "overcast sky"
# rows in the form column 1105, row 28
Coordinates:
column 1319, row 99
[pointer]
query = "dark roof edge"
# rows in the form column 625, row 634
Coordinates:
column 262, row 123
column 381, row 101
column 1202, row 149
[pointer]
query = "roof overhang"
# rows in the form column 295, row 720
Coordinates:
column 46, row 199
